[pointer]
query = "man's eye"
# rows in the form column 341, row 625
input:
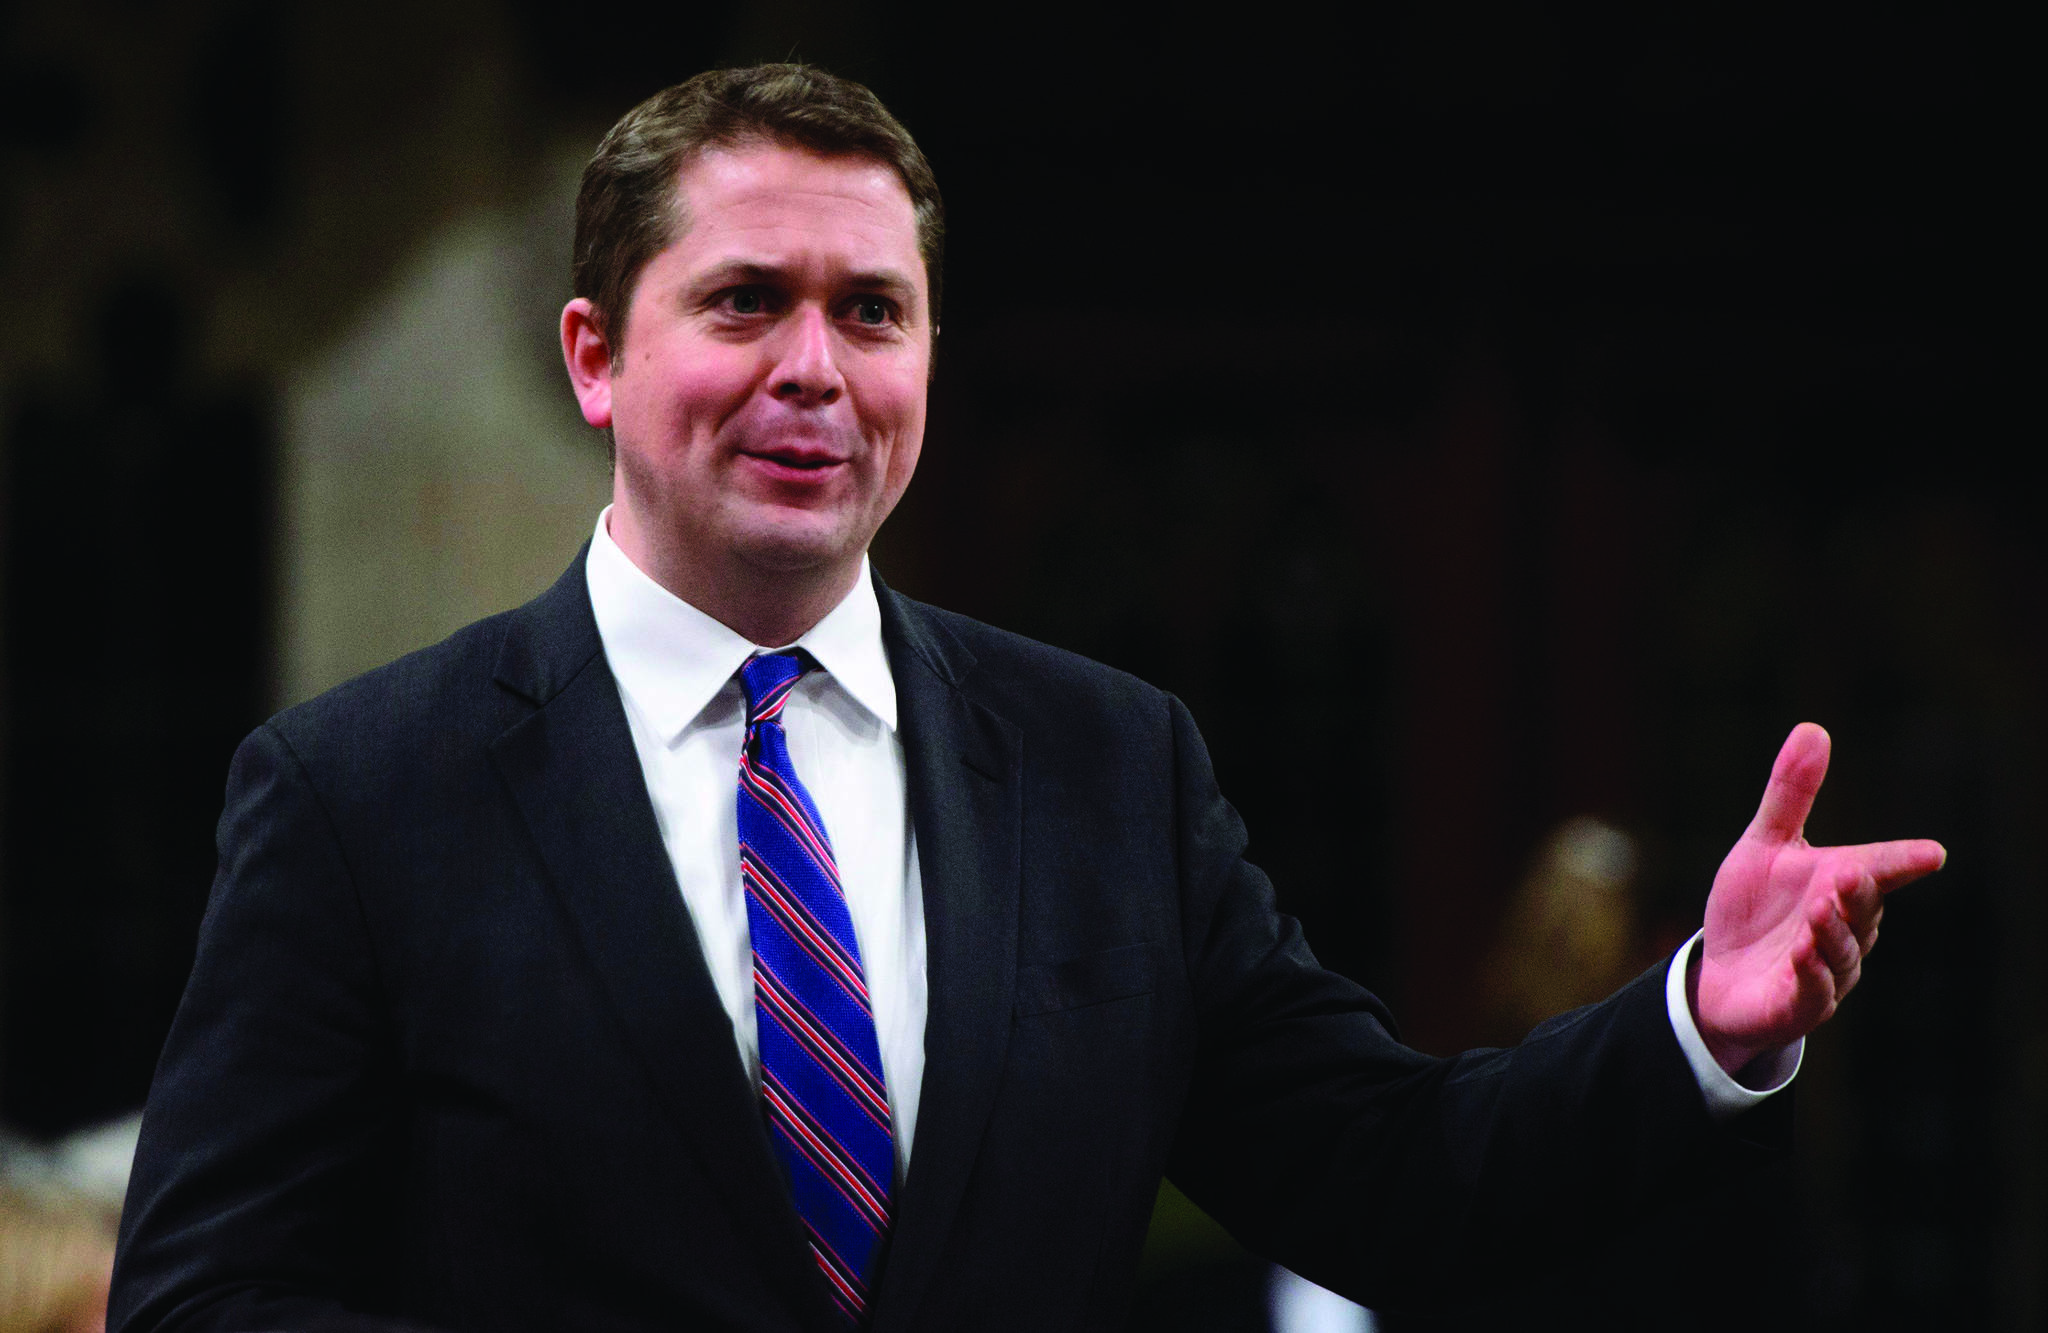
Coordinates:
column 872, row 310
column 746, row 302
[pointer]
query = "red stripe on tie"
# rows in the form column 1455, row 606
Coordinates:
column 771, row 703
column 765, row 786
column 862, row 1083
column 847, row 1288
column 798, row 1148
column 782, row 992
column 818, row 1040
column 794, row 1138
column 859, row 1189
column 834, row 1163
column 789, row 913
column 753, row 864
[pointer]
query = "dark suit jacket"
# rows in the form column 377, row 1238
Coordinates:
column 450, row 1054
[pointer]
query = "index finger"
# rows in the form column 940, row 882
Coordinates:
column 1896, row 864
column 1795, row 779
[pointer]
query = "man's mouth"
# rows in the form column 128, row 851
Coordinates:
column 797, row 458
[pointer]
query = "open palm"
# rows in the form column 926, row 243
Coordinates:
column 1788, row 923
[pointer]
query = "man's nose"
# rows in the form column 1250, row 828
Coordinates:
column 808, row 373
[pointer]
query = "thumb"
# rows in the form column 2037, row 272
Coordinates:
column 1795, row 779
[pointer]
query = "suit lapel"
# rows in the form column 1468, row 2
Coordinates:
column 965, row 768
column 575, row 777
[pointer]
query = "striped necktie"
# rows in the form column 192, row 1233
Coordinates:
column 821, row 1068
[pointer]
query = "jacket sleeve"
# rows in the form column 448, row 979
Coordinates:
column 261, row 1184
column 1394, row 1178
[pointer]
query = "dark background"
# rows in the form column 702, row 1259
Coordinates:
column 1481, row 414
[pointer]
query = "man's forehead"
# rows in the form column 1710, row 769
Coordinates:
column 769, row 175
column 776, row 213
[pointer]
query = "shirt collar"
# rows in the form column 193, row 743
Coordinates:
column 672, row 659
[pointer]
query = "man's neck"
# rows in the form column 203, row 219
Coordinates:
column 766, row 606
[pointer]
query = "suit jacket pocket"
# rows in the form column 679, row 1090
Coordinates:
column 1094, row 978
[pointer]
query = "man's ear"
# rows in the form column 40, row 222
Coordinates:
column 589, row 359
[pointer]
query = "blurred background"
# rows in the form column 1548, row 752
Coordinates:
column 1588, row 397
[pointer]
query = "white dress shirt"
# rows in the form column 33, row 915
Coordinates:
column 676, row 670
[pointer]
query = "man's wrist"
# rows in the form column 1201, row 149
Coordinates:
column 1762, row 1074
column 1732, row 1056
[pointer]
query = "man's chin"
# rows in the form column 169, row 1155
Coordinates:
column 798, row 550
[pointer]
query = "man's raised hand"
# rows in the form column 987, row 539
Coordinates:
column 1788, row 924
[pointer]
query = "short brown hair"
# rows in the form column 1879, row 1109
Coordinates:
column 627, row 210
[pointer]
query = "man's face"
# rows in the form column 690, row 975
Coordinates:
column 769, row 406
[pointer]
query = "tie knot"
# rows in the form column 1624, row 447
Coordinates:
column 768, row 679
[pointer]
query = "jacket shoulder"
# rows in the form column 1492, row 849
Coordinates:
column 427, row 683
column 1033, row 682
column 471, row 685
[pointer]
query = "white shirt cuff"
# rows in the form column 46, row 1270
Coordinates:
column 1727, row 1095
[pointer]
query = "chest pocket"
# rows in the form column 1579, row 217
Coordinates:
column 1094, row 978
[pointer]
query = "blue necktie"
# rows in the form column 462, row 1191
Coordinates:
column 821, row 1068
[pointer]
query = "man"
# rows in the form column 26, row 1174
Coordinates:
column 723, row 940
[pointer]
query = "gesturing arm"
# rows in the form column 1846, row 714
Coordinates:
column 1398, row 1180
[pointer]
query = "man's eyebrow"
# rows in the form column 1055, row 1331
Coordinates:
column 887, row 281
column 744, row 272
column 735, row 271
